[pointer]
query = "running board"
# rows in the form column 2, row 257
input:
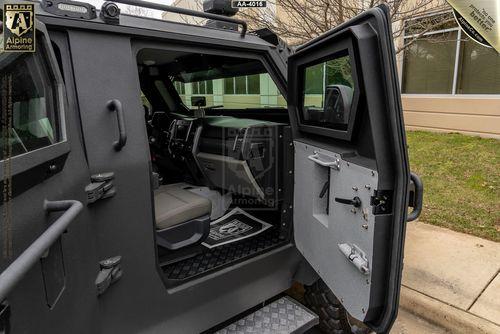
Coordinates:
column 283, row 316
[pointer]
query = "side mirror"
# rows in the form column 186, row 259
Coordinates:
column 198, row 101
column 337, row 107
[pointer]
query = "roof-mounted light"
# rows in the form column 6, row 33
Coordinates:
column 74, row 9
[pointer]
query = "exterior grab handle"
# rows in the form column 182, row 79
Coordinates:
column 116, row 105
column 418, row 197
column 17, row 269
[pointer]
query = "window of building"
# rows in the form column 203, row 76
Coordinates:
column 429, row 64
column 28, row 104
column 441, row 59
column 478, row 69
column 202, row 87
column 247, row 84
column 180, row 87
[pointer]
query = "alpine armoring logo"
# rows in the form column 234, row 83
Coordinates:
column 19, row 28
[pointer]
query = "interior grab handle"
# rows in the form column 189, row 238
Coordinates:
column 17, row 269
column 116, row 106
column 335, row 163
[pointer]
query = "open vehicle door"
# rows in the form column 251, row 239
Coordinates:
column 351, row 164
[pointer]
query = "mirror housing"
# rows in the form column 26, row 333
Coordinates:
column 198, row 101
column 337, row 106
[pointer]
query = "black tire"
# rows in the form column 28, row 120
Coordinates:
column 332, row 315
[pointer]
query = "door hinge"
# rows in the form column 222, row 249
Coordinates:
column 356, row 256
column 381, row 201
column 110, row 272
column 100, row 187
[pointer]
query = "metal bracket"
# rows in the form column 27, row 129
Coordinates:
column 101, row 187
column 381, row 201
column 356, row 256
column 110, row 273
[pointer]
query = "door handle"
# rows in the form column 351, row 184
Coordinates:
column 332, row 164
column 116, row 105
column 17, row 269
column 418, row 194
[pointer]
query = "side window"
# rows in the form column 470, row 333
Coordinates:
column 328, row 90
column 235, row 92
column 28, row 103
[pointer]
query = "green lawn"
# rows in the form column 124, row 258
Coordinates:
column 461, row 176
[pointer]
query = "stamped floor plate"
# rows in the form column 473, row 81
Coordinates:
column 282, row 316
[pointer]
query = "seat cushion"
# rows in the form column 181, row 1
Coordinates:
column 174, row 205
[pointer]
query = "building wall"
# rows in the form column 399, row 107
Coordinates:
column 474, row 115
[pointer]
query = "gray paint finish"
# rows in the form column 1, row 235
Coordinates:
column 318, row 234
column 139, row 301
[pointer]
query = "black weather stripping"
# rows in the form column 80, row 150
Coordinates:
column 184, row 11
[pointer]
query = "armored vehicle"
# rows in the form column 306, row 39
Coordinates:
column 165, row 177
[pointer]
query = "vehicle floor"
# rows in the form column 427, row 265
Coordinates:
column 216, row 258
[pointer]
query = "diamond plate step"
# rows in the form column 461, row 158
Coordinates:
column 283, row 316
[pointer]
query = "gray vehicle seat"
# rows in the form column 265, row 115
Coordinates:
column 175, row 205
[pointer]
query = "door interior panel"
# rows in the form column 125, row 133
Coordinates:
column 324, row 227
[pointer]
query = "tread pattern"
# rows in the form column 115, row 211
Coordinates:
column 218, row 257
column 332, row 315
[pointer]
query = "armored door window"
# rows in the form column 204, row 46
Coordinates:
column 328, row 89
column 28, row 103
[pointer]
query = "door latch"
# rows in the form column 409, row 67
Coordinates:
column 356, row 202
column 356, row 256
column 100, row 187
column 110, row 272
column 381, row 201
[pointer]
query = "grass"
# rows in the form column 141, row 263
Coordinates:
column 461, row 176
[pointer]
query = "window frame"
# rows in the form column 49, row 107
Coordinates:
column 460, row 34
column 344, row 46
column 27, row 161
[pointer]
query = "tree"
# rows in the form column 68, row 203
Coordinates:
column 298, row 21
column 137, row 11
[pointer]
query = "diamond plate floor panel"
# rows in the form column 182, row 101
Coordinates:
column 283, row 316
column 222, row 256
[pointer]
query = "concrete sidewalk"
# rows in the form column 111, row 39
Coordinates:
column 451, row 279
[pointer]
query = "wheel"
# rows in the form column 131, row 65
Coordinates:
column 333, row 318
